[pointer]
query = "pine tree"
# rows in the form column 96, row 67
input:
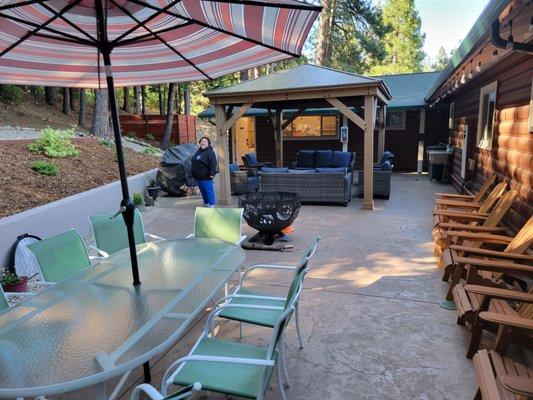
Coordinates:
column 442, row 60
column 403, row 43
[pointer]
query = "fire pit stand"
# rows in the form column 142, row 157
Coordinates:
column 269, row 213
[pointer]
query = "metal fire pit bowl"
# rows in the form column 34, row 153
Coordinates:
column 270, row 212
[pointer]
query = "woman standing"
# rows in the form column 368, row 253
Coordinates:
column 203, row 169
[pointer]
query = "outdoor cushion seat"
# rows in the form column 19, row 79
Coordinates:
column 250, row 160
column 302, row 171
column 330, row 170
column 342, row 159
column 257, row 317
column 322, row 158
column 226, row 378
column 270, row 170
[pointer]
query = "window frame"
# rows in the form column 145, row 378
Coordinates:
column 404, row 116
column 322, row 136
column 485, row 93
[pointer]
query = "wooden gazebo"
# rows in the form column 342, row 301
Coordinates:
column 300, row 88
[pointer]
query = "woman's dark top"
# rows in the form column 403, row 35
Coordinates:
column 204, row 164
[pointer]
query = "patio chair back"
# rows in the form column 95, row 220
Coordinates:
column 111, row 235
column 60, row 256
column 218, row 223
column 484, row 189
column 493, row 197
column 310, row 252
column 3, row 301
column 501, row 208
column 523, row 239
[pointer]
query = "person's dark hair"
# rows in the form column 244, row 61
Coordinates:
column 206, row 138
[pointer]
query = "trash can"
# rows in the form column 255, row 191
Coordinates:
column 436, row 171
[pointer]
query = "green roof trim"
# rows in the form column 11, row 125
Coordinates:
column 478, row 31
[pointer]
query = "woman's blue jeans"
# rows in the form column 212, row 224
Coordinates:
column 207, row 188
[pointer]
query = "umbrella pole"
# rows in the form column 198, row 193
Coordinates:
column 127, row 204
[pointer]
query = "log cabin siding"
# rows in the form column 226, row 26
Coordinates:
column 511, row 156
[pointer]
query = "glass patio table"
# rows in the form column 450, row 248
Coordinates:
column 96, row 325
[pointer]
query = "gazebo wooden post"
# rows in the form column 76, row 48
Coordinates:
column 368, row 199
column 223, row 187
column 381, row 134
column 278, row 134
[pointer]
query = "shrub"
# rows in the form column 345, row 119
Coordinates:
column 150, row 150
column 11, row 94
column 137, row 198
column 9, row 278
column 132, row 135
column 55, row 143
column 105, row 142
column 45, row 168
column 149, row 137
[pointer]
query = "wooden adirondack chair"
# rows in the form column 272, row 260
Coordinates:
column 500, row 378
column 445, row 200
column 507, row 313
column 475, row 262
column 489, row 225
column 475, row 217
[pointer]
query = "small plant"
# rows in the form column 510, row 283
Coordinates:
column 45, row 168
column 105, row 142
column 149, row 137
column 137, row 198
column 153, row 183
column 55, row 143
column 9, row 278
column 150, row 150
column 132, row 135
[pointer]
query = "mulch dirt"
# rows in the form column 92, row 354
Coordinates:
column 22, row 188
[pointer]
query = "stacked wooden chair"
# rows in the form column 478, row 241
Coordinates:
column 489, row 270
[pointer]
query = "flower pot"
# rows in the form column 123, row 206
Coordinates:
column 153, row 191
column 21, row 286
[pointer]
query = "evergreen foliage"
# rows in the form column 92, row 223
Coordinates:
column 45, row 168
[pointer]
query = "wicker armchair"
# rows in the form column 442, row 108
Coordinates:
column 381, row 183
column 243, row 181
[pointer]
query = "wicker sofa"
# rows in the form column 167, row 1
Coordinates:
column 311, row 186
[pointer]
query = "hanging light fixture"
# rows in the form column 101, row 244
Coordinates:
column 478, row 67
column 494, row 53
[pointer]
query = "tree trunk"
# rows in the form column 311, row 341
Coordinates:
column 72, row 91
column 324, row 38
column 160, row 98
column 178, row 99
column 49, row 95
column 66, row 101
column 127, row 104
column 170, row 115
column 100, row 116
column 83, row 109
column 143, row 100
column 137, row 100
column 187, row 99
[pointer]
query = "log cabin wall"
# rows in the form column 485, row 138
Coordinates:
column 511, row 156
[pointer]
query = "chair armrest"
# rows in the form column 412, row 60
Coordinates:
column 102, row 253
column 241, row 239
column 496, row 266
column 149, row 235
column 472, row 228
column 519, row 385
column 481, row 236
column 190, row 235
column 502, row 294
column 457, row 203
column 491, row 253
column 509, row 320
column 252, row 268
column 468, row 215
column 466, row 197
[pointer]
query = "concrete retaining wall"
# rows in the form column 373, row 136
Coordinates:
column 70, row 212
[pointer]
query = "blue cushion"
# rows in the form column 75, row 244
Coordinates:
column 305, row 158
column 387, row 155
column 322, row 158
column 301, row 171
column 269, row 170
column 251, row 159
column 337, row 170
column 341, row 159
column 386, row 166
column 233, row 167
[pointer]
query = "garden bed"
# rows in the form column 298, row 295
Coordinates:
column 96, row 165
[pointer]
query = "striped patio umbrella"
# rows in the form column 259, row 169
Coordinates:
column 109, row 43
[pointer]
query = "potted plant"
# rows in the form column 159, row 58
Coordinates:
column 153, row 189
column 11, row 282
column 138, row 200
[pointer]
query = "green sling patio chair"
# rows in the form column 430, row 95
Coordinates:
column 242, row 295
column 3, row 300
column 60, row 256
column 232, row 368
column 218, row 223
column 110, row 234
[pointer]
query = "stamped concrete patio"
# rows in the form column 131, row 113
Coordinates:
column 372, row 324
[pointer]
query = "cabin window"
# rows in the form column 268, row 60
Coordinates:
column 395, row 120
column 451, row 115
column 312, row 127
column 487, row 106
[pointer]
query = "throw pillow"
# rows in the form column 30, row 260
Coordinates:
column 305, row 158
column 269, row 170
column 341, row 159
column 323, row 158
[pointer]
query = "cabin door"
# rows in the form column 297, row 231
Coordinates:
column 244, row 137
